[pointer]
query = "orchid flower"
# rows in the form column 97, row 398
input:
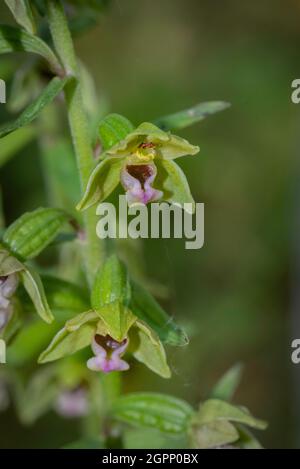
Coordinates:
column 143, row 162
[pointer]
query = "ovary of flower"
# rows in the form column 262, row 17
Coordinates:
column 107, row 355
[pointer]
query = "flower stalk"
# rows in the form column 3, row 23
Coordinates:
column 93, row 249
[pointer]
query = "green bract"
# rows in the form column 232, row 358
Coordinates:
column 122, row 311
column 146, row 146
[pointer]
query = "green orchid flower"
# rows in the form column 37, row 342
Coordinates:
column 122, row 319
column 142, row 160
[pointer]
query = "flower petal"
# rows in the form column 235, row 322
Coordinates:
column 176, row 147
column 172, row 181
column 103, row 180
column 137, row 181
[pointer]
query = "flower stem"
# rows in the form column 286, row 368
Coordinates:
column 93, row 248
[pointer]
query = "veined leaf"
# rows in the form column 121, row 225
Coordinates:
column 55, row 86
column 113, row 129
column 22, row 13
column 33, row 231
column 182, row 119
column 16, row 40
column 146, row 308
column 165, row 413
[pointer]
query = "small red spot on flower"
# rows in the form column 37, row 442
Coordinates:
column 146, row 145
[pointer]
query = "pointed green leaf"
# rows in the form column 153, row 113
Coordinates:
column 55, row 86
column 34, row 287
column 182, row 119
column 214, row 409
column 226, row 386
column 147, row 349
column 113, row 129
column 111, row 284
column 33, row 231
column 110, row 298
column 16, row 40
column 23, row 15
column 73, row 337
column 213, row 434
column 103, row 180
column 160, row 411
column 146, row 308
column 171, row 180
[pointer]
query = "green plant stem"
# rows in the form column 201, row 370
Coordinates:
column 94, row 248
column 82, row 143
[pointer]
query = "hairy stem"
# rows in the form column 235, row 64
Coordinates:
column 93, row 248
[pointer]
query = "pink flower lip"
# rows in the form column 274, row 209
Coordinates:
column 107, row 354
column 137, row 181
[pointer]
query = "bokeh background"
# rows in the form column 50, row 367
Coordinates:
column 239, row 295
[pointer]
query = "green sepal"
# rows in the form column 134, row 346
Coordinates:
column 172, row 181
column 146, row 308
column 102, row 182
column 8, row 263
column 148, row 349
column 31, row 281
column 170, row 146
column 76, row 335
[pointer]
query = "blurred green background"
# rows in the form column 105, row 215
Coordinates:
column 238, row 295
